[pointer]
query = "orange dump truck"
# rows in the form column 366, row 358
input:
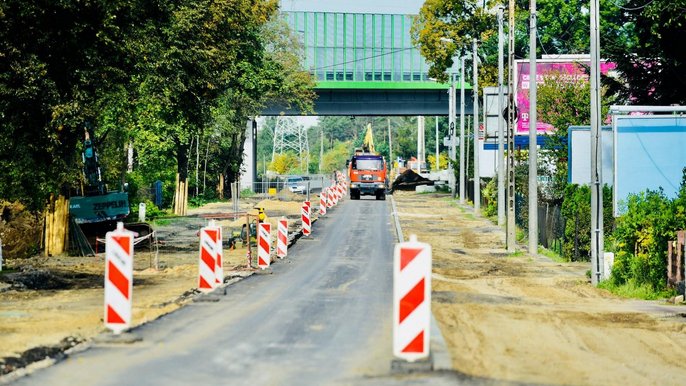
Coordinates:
column 367, row 175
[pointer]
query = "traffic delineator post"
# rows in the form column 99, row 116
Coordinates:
column 118, row 278
column 329, row 198
column 219, row 255
column 322, row 202
column 305, row 218
column 282, row 238
column 207, row 262
column 411, row 300
column 264, row 243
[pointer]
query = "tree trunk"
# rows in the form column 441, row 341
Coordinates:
column 181, row 193
column 220, row 187
column 56, row 225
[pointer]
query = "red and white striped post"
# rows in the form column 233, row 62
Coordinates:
column 329, row 198
column 322, row 202
column 207, row 262
column 219, row 267
column 305, row 217
column 411, row 300
column 118, row 278
column 264, row 243
column 282, row 238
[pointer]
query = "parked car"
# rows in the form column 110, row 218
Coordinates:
column 296, row 184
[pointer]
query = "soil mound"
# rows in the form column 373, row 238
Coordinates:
column 409, row 180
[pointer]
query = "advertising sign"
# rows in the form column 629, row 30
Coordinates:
column 572, row 68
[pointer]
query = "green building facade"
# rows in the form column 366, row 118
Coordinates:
column 359, row 47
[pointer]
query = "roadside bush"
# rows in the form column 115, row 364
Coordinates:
column 490, row 196
column 20, row 231
column 246, row 193
column 576, row 210
column 151, row 211
column 640, row 240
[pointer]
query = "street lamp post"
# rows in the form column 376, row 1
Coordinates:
column 451, row 131
column 451, row 112
column 436, row 118
column 475, row 90
column 533, row 131
column 501, row 139
column 462, row 139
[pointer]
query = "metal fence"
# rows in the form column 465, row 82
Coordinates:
column 279, row 188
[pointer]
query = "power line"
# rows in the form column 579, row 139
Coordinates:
column 365, row 58
column 634, row 8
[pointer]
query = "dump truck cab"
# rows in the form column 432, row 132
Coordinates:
column 367, row 175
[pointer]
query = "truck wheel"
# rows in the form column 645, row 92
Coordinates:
column 380, row 195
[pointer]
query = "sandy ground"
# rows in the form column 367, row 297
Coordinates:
column 531, row 320
column 506, row 318
column 50, row 304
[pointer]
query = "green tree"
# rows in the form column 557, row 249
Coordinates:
column 648, row 51
column 284, row 163
column 58, row 66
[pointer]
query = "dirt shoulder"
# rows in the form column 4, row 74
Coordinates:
column 49, row 304
column 520, row 319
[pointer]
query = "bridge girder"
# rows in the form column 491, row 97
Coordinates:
column 382, row 102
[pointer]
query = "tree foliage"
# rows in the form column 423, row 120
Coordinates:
column 649, row 52
column 160, row 75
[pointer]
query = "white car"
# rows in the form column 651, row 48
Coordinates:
column 296, row 185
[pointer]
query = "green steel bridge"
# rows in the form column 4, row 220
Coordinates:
column 365, row 64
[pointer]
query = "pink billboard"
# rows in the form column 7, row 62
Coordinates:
column 570, row 69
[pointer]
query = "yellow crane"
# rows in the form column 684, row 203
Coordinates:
column 368, row 144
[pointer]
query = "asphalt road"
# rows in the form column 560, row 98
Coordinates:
column 323, row 316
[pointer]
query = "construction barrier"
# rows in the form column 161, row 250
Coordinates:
column 322, row 203
column 282, row 238
column 305, row 217
column 411, row 300
column 118, row 278
column 329, row 198
column 264, row 242
column 207, row 263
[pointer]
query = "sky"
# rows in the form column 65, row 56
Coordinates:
column 400, row 7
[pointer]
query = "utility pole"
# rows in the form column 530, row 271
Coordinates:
column 511, row 241
column 597, row 236
column 462, row 139
column 475, row 90
column 390, row 143
column 436, row 118
column 421, row 153
column 321, row 150
column 453, row 134
column 501, row 136
column 533, row 131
